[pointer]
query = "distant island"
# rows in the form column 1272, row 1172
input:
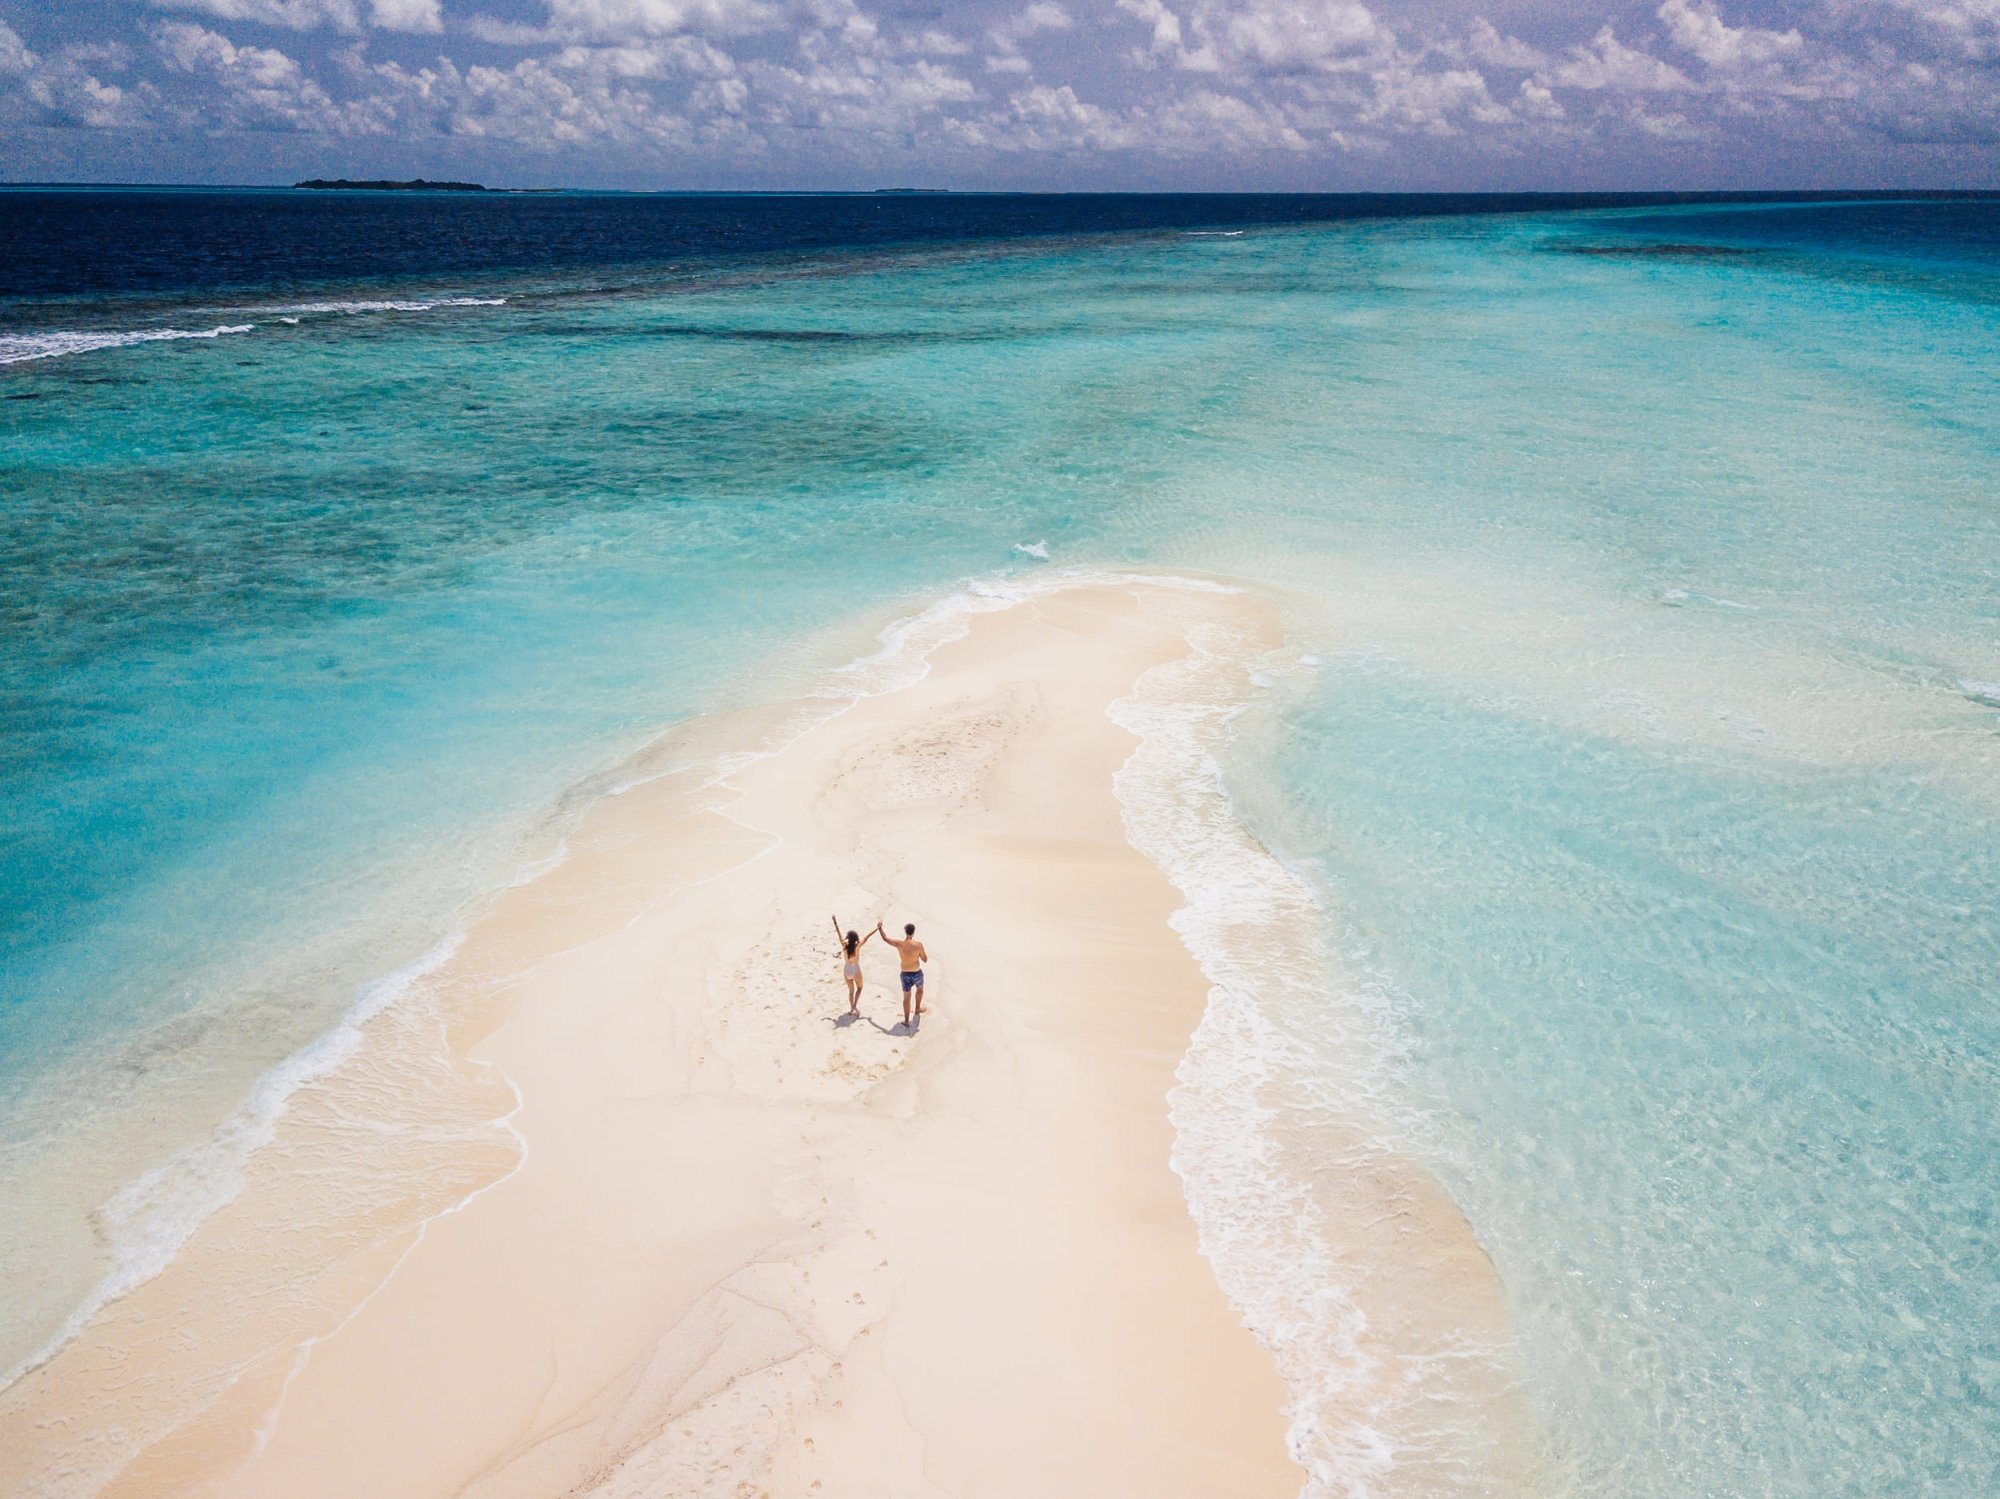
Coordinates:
column 417, row 185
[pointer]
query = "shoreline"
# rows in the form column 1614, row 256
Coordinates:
column 486, row 1144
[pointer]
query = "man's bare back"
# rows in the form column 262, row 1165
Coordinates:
column 913, row 957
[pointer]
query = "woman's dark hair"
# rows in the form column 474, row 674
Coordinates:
column 853, row 943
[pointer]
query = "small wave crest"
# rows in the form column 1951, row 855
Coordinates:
column 18, row 348
column 423, row 304
column 55, row 343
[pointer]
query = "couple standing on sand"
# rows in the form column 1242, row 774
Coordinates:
column 908, row 948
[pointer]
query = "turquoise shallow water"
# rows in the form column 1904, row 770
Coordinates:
column 1643, row 759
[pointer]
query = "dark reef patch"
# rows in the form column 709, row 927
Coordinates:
column 1658, row 252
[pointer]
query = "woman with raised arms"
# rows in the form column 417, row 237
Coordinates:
column 850, row 952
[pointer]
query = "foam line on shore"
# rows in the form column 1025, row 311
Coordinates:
column 1338, row 1248
column 147, row 1221
column 1253, row 1218
column 303, row 1354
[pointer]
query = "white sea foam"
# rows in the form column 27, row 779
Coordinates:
column 1274, row 1061
column 903, row 657
column 303, row 1354
column 1033, row 549
column 146, row 1222
column 18, row 348
column 1251, row 925
column 1680, row 596
column 421, row 304
column 534, row 869
column 1985, row 692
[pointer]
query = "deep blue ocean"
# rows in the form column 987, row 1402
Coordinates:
column 1642, row 557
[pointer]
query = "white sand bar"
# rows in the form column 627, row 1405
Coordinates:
column 724, row 1244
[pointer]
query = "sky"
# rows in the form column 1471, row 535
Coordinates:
column 1311, row 95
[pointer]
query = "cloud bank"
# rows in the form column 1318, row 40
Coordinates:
column 1082, row 93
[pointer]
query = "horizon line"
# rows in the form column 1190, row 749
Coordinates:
column 443, row 187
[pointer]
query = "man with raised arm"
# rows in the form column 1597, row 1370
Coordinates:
column 913, row 956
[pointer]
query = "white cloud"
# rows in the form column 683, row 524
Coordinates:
column 1055, row 119
column 407, row 15
column 1264, row 37
column 1285, row 35
column 536, row 104
column 612, row 20
column 1166, row 25
column 844, row 77
column 293, row 15
column 1434, row 102
column 1207, row 119
column 1607, row 63
column 1006, row 38
column 1673, row 126
column 195, row 49
column 309, row 15
column 931, row 42
column 509, row 33
column 1489, row 46
column 1699, row 28
column 579, row 96
column 61, row 89
column 1333, row 71
column 15, row 58
column 667, row 57
column 1971, row 28
column 262, row 87
column 77, row 98
column 1538, row 102
column 1041, row 16
column 1227, row 82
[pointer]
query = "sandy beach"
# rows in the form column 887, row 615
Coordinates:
column 672, row 1226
